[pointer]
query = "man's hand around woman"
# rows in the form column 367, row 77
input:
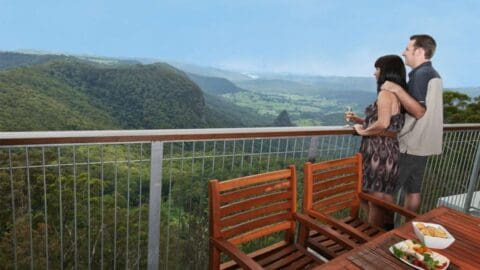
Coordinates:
column 391, row 87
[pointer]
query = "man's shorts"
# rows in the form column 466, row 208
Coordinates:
column 411, row 169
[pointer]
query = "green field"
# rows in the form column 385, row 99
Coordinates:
column 303, row 110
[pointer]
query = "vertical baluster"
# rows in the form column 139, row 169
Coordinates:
column 302, row 153
column 27, row 168
column 443, row 161
column 102, row 227
column 45, row 206
column 269, row 153
column 203, row 159
column 61, row 205
column 75, row 207
column 88, row 208
column 286, row 151
column 460, row 185
column 322, row 147
column 233, row 154
column 139, row 205
column 251, row 156
column 454, row 167
column 278, row 150
column 329, row 145
column 335, row 149
column 128, row 206
column 294, row 147
column 223, row 156
column 183, row 177
column 115, row 191
column 242, row 156
column 14, row 222
column 192, row 179
column 214, row 156
column 170, row 177
column 260, row 156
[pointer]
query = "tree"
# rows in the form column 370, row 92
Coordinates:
column 460, row 108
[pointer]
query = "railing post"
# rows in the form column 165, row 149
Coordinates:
column 155, row 205
column 313, row 148
column 473, row 181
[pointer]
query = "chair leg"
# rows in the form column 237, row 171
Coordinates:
column 302, row 235
column 214, row 263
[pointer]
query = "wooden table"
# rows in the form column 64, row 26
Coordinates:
column 464, row 252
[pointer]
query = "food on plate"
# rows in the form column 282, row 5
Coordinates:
column 429, row 230
column 419, row 255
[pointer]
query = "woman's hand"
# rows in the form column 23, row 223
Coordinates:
column 359, row 129
column 351, row 116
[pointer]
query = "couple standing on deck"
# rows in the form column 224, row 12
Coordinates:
column 401, row 128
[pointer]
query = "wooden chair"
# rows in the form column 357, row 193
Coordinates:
column 333, row 189
column 253, row 207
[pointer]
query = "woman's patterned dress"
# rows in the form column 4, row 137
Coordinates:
column 380, row 154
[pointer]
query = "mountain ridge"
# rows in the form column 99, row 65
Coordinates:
column 72, row 94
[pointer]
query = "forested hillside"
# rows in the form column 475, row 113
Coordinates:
column 74, row 94
column 214, row 85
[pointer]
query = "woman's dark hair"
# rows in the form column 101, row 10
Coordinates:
column 392, row 69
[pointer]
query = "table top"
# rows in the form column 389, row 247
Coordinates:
column 463, row 253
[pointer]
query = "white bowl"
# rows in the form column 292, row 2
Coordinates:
column 430, row 241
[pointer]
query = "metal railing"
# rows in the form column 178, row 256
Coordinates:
column 138, row 199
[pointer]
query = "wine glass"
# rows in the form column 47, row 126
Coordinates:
column 348, row 112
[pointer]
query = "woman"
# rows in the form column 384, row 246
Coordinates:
column 380, row 148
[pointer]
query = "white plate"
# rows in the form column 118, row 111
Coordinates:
column 435, row 254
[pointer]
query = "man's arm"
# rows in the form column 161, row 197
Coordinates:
column 410, row 104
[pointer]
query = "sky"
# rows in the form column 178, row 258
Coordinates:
column 322, row 37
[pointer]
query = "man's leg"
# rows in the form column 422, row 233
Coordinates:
column 412, row 201
column 413, row 186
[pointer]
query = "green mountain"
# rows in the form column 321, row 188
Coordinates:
column 214, row 85
column 227, row 114
column 72, row 94
column 31, row 99
column 13, row 59
column 18, row 59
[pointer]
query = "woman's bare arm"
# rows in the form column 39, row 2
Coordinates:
column 351, row 116
column 385, row 101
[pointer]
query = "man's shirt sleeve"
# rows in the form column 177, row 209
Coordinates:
column 418, row 88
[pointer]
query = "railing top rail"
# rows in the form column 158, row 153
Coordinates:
column 111, row 136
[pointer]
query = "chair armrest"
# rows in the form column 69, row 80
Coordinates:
column 326, row 230
column 341, row 225
column 237, row 255
column 388, row 205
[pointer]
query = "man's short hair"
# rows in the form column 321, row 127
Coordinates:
column 426, row 42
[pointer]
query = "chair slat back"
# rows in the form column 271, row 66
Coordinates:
column 247, row 208
column 334, row 185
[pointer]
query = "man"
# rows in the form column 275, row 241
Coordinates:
column 422, row 134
